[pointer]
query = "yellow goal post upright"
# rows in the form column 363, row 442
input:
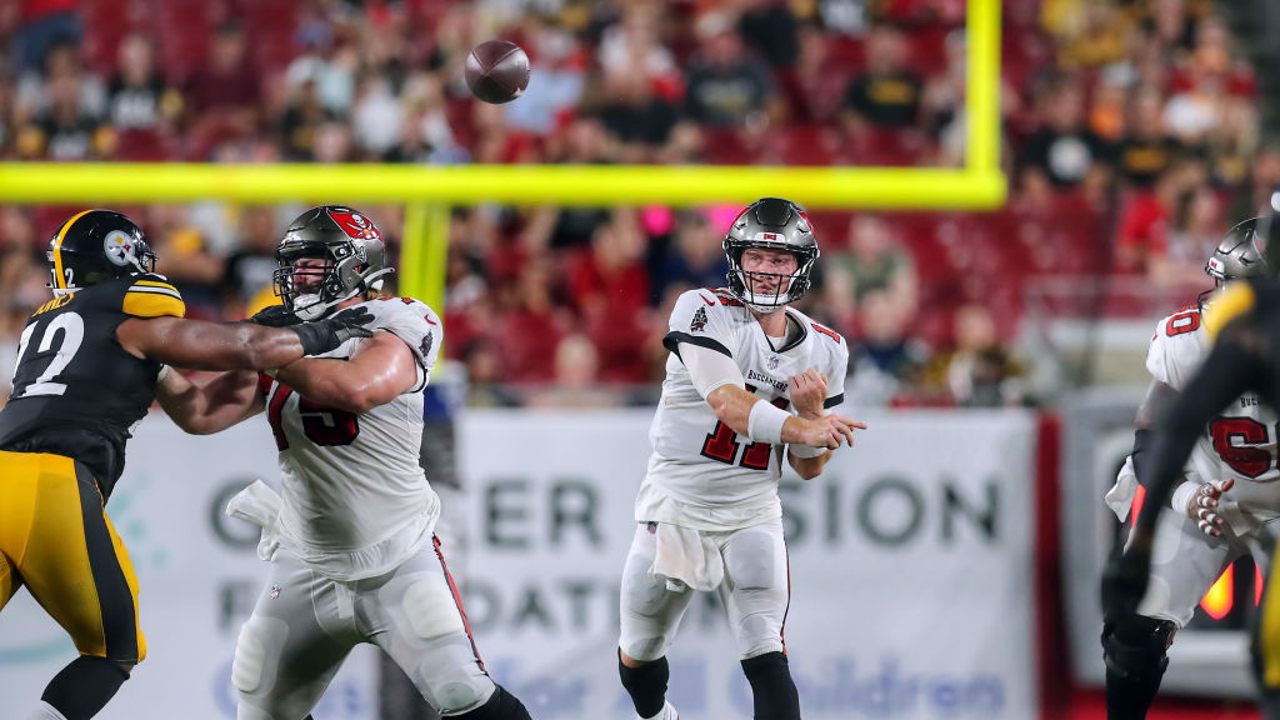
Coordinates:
column 429, row 191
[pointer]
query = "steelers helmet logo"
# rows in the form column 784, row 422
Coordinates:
column 119, row 248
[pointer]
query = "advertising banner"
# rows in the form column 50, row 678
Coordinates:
column 910, row 563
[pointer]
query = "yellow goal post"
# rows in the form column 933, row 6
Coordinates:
column 429, row 191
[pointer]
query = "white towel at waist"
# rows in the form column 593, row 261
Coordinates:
column 686, row 557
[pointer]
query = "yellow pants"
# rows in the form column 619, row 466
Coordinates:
column 56, row 538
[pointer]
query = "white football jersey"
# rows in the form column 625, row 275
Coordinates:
column 355, row 501
column 700, row 462
column 1241, row 442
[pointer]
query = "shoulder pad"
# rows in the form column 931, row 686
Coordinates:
column 153, row 296
column 1233, row 301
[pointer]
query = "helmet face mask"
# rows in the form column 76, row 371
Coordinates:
column 1241, row 254
column 329, row 254
column 779, row 226
column 95, row 246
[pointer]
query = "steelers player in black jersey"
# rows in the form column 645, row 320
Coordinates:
column 88, row 363
column 1245, row 321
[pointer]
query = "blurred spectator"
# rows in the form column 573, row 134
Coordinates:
column 727, row 88
column 885, row 359
column 138, row 97
column 65, row 131
column 1064, row 154
column 529, row 327
column 576, row 381
column 877, row 262
column 223, row 93
column 62, row 65
column 426, row 135
column 769, row 28
column 555, row 80
column 301, row 121
column 329, row 65
column 694, row 257
column 42, row 25
column 633, row 45
column 247, row 278
column 813, row 85
column 377, row 118
column 486, row 381
column 1145, row 151
column 1095, row 34
column 976, row 371
column 186, row 260
column 886, row 95
column 640, row 121
column 1142, row 243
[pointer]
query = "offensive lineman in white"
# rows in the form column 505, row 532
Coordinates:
column 1226, row 497
column 708, row 510
column 350, row 538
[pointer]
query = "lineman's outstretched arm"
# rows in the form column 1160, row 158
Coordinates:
column 382, row 369
column 212, row 406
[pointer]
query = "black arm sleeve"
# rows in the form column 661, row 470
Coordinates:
column 1228, row 371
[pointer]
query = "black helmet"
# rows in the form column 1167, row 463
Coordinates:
column 772, row 224
column 354, row 254
column 1239, row 255
column 95, row 246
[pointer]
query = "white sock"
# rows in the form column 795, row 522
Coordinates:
column 46, row 712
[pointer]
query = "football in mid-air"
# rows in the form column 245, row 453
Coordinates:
column 497, row 71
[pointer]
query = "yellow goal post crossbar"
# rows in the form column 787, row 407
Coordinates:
column 427, row 191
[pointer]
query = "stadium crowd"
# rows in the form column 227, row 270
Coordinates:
column 1131, row 140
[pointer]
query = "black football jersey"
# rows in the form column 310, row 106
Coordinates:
column 76, row 391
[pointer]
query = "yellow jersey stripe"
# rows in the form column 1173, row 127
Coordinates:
column 153, row 304
column 61, row 280
column 156, row 291
column 154, row 283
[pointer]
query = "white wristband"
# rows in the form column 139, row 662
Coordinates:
column 1181, row 499
column 764, row 424
column 805, row 452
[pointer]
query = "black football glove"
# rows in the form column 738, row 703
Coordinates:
column 321, row 336
column 274, row 316
column 1124, row 583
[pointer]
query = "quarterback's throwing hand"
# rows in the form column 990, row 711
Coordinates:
column 808, row 392
column 829, row 431
column 324, row 335
column 1204, row 506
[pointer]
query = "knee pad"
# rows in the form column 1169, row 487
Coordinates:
column 773, row 690
column 1136, row 647
column 501, row 705
column 431, row 609
column 751, row 564
column 450, row 678
column 253, row 667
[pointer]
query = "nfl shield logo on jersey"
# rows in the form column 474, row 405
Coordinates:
column 699, row 321
column 773, row 362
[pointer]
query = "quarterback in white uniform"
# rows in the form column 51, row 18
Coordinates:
column 350, row 537
column 1227, row 495
column 747, row 379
